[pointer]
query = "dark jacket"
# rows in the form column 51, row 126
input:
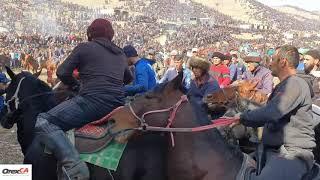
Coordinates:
column 102, row 66
column 196, row 95
column 313, row 83
column 287, row 118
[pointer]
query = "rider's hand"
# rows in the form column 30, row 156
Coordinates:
column 237, row 122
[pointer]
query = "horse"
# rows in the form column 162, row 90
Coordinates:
column 51, row 68
column 195, row 156
column 30, row 63
column 198, row 153
column 233, row 100
column 33, row 96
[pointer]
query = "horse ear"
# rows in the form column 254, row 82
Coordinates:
column 10, row 72
column 37, row 74
column 177, row 81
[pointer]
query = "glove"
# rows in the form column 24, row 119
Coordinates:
column 244, row 117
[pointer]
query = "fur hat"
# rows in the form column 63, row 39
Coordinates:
column 218, row 55
column 100, row 28
column 200, row 63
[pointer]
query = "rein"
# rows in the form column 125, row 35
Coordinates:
column 173, row 109
column 16, row 98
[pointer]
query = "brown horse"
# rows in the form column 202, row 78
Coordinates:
column 234, row 100
column 30, row 63
column 51, row 68
column 196, row 156
column 231, row 94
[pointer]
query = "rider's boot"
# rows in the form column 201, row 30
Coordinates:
column 68, row 157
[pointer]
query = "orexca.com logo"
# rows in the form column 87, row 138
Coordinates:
column 21, row 171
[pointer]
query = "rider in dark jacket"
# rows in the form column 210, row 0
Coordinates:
column 288, row 135
column 103, row 69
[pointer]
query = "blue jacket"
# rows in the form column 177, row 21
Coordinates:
column 196, row 95
column 145, row 78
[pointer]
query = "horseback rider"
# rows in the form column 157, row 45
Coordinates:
column 103, row 69
column 201, row 85
column 288, row 135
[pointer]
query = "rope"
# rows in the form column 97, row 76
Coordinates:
column 217, row 123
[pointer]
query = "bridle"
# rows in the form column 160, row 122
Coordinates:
column 14, row 98
column 237, row 100
column 173, row 110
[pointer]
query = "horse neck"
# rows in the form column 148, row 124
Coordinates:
column 204, row 150
column 30, row 111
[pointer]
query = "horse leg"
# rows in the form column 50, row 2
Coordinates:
column 127, row 165
column 99, row 173
column 153, row 156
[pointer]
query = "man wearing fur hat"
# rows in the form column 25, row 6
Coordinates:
column 258, row 73
column 103, row 69
column 201, row 85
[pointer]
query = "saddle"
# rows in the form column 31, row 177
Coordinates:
column 94, row 136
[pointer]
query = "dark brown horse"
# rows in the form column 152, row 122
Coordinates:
column 196, row 156
column 142, row 158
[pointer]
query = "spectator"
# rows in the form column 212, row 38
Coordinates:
column 258, row 73
column 219, row 70
column 202, row 84
column 172, row 72
column 145, row 77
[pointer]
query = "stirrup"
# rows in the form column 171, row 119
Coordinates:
column 82, row 173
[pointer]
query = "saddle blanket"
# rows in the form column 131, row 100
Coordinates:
column 108, row 157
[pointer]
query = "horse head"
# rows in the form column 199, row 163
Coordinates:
column 26, row 96
column 150, row 109
column 238, row 96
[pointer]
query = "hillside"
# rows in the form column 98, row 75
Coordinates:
column 88, row 3
column 238, row 10
column 298, row 13
column 222, row 11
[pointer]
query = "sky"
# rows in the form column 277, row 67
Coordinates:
column 310, row 5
